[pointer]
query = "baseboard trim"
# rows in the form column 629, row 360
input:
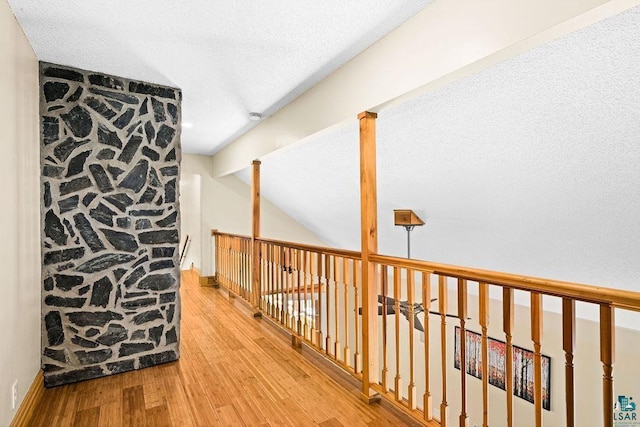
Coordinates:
column 30, row 402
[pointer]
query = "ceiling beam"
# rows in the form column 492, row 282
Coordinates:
column 448, row 40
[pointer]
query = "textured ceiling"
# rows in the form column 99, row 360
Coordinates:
column 531, row 166
column 229, row 57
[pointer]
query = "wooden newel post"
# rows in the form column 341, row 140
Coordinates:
column 369, row 234
column 255, row 233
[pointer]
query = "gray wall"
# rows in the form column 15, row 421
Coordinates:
column 110, row 153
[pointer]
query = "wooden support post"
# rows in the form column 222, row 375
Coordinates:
column 608, row 358
column 568, row 345
column 216, row 248
column 536, row 337
column 255, row 233
column 369, row 234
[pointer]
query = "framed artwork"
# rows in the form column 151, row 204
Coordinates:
column 522, row 366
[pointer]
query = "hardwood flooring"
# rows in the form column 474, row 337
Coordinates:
column 233, row 370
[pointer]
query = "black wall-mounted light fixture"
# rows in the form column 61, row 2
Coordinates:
column 407, row 219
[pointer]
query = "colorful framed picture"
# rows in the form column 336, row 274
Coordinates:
column 523, row 376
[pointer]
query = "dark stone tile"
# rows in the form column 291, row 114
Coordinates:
column 114, row 171
column 168, row 297
column 101, row 178
column 153, row 178
column 55, row 90
column 104, row 262
column 170, row 191
column 68, row 204
column 52, row 171
column 135, row 275
column 92, row 332
column 118, row 273
column 120, row 200
column 58, row 355
column 135, row 294
column 137, row 177
column 61, row 73
column 88, row 198
column 143, row 108
column 120, row 240
column 158, row 110
column 95, row 356
column 64, row 149
column 93, row 318
column 150, row 153
column 146, row 89
column 124, row 222
column 127, row 349
column 121, row 366
column 140, row 261
column 124, row 119
column 55, row 107
column 100, row 107
column 165, row 136
column 171, row 156
column 108, row 137
column 172, row 109
column 75, row 95
column 69, row 228
column 79, row 121
column 157, row 359
column 88, row 373
column 159, row 265
column 127, row 99
column 130, row 149
column 50, row 367
column 68, row 265
column 146, row 212
column 169, row 171
column 143, row 224
column 74, row 185
column 115, row 333
column 171, row 336
column 48, row 284
column 76, row 164
column 83, row 290
column 54, row 229
column 101, row 292
column 157, row 282
column 150, row 131
column 140, row 334
column 50, row 129
column 87, row 232
column 136, row 126
column 56, row 301
column 138, row 303
column 106, row 154
column 155, row 334
column 82, row 342
column 148, row 195
column 66, row 282
column 46, row 195
column 147, row 316
column 57, row 257
column 159, row 237
column 115, row 104
column 170, row 312
column 103, row 214
column 53, row 325
column 168, row 220
column 106, row 81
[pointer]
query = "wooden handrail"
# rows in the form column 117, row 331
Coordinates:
column 624, row 299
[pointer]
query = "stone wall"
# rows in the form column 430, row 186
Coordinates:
column 110, row 153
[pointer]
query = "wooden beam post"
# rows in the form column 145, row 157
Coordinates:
column 255, row 233
column 369, row 234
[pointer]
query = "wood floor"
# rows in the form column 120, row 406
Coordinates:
column 233, row 370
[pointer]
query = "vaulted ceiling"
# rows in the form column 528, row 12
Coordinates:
column 531, row 166
column 229, row 57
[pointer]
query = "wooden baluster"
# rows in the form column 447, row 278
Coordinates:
column 568, row 344
column 270, row 279
column 507, row 325
column 336, row 342
column 305, row 272
column 357, row 266
column 298, row 262
column 287, row 285
column 607, row 357
column 345, row 279
column 536, row 337
column 327, row 274
column 443, row 306
column 385, row 363
column 313, row 265
column 320, row 306
column 462, row 315
column 484, row 324
column 281, row 281
column 411, row 292
column 396, row 296
column 426, row 305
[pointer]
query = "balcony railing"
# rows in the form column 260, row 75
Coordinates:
column 315, row 293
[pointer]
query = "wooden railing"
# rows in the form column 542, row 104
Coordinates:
column 315, row 293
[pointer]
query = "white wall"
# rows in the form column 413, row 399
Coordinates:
column 190, row 220
column 225, row 205
column 20, row 232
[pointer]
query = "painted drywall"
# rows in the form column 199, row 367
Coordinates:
column 20, row 217
column 225, row 205
column 446, row 41
column 190, row 224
